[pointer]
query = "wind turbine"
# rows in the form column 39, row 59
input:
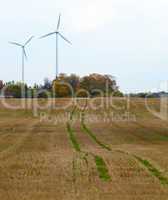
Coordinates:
column 23, row 53
column 57, row 34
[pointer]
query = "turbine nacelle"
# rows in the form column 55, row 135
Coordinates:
column 23, row 46
column 57, row 32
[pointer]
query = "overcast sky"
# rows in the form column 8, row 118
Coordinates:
column 125, row 38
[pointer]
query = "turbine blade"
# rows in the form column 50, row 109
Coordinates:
column 25, row 55
column 64, row 38
column 47, row 35
column 29, row 40
column 17, row 44
column 59, row 20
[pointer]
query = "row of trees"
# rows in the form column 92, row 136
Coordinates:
column 66, row 86
column 149, row 94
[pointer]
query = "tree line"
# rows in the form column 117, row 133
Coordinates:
column 65, row 86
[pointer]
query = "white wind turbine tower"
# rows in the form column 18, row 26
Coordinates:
column 57, row 34
column 23, row 54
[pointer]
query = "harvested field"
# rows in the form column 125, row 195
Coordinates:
column 81, row 152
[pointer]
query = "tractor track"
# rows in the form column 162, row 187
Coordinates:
column 143, row 162
column 100, row 164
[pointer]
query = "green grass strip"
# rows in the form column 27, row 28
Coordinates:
column 155, row 172
column 92, row 135
column 72, row 138
column 102, row 169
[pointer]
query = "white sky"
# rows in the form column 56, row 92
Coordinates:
column 125, row 38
